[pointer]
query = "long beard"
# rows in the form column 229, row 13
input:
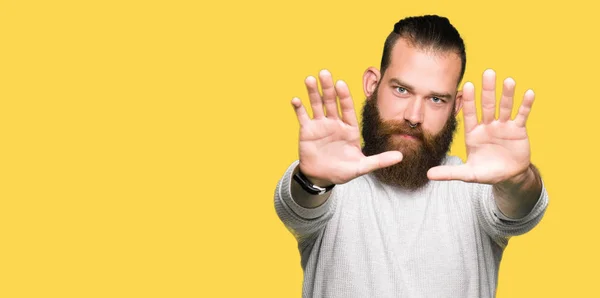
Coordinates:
column 419, row 155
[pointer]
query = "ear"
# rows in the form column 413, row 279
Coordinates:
column 458, row 102
column 371, row 78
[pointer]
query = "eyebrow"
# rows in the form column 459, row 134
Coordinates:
column 411, row 88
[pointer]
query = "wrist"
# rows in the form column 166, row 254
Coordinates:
column 318, row 182
column 525, row 180
column 516, row 196
column 312, row 185
column 311, row 179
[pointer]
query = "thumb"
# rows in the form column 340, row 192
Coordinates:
column 378, row 161
column 460, row 172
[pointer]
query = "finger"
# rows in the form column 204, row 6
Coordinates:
column 300, row 111
column 346, row 104
column 460, row 172
column 469, row 108
column 488, row 97
column 378, row 161
column 506, row 103
column 525, row 108
column 328, row 94
column 316, row 102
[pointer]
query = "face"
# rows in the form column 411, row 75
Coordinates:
column 418, row 88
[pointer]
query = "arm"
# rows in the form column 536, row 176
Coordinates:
column 497, row 221
column 302, row 221
column 329, row 153
column 329, row 145
column 510, row 193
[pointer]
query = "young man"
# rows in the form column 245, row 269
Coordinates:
column 399, row 217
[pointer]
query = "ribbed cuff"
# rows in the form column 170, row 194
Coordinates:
column 502, row 226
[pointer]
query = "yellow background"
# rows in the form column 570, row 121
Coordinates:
column 141, row 141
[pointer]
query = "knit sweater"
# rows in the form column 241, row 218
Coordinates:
column 371, row 239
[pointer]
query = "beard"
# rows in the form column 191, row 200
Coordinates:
column 420, row 154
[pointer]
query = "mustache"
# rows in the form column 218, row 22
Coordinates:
column 389, row 128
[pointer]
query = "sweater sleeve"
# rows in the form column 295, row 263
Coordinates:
column 497, row 225
column 302, row 222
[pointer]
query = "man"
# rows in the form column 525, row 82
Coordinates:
column 400, row 217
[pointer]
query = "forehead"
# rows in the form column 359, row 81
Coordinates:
column 425, row 69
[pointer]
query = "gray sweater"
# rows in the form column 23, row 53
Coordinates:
column 374, row 240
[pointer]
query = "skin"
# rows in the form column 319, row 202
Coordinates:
column 420, row 87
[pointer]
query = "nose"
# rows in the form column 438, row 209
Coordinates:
column 414, row 112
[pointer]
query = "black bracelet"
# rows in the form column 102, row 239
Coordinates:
column 309, row 186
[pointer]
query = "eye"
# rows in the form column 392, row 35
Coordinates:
column 436, row 100
column 401, row 90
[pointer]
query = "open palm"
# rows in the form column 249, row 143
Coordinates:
column 497, row 149
column 329, row 146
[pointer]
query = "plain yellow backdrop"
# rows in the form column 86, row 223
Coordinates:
column 141, row 141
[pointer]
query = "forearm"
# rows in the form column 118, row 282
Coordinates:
column 517, row 197
column 303, row 198
column 300, row 219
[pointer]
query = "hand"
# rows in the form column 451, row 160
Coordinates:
column 497, row 149
column 329, row 146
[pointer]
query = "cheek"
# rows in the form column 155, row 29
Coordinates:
column 435, row 120
column 391, row 107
